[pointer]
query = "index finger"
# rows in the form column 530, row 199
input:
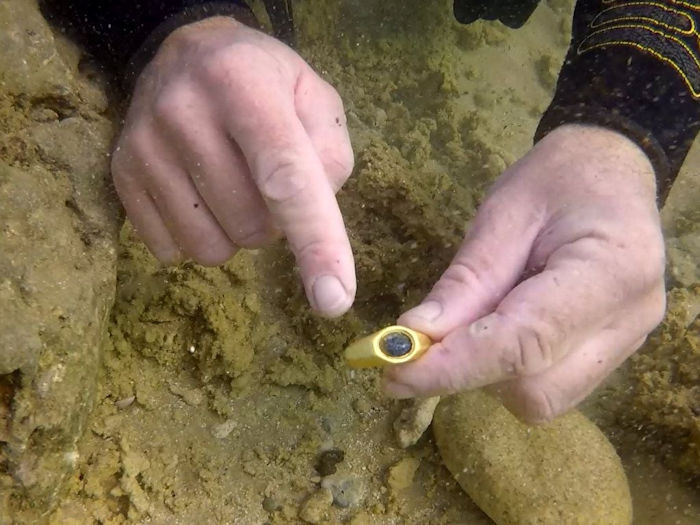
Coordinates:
column 290, row 176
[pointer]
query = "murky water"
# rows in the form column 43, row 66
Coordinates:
column 217, row 390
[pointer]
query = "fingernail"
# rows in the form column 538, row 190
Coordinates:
column 330, row 296
column 429, row 311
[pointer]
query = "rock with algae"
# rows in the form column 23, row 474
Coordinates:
column 58, row 234
column 562, row 472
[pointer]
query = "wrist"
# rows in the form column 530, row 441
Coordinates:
column 206, row 16
column 579, row 163
column 603, row 156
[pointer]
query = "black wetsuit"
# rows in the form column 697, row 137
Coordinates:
column 633, row 66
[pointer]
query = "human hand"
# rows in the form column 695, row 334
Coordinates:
column 229, row 138
column 558, row 281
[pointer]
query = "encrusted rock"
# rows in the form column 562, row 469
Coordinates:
column 316, row 506
column 401, row 474
column 562, row 472
column 347, row 491
column 414, row 420
column 58, row 233
column 327, row 461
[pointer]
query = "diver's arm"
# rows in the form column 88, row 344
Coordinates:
column 634, row 67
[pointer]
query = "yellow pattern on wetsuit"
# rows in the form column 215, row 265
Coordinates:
column 667, row 30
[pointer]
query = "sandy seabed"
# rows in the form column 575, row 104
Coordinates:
column 220, row 393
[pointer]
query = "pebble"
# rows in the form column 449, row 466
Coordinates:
column 126, row 402
column 316, row 506
column 361, row 518
column 414, row 420
column 271, row 504
column 362, row 407
column 348, row 491
column 222, row 430
column 328, row 460
column 401, row 474
column 191, row 396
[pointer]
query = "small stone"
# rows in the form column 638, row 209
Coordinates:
column 328, row 460
column 401, row 474
column 396, row 344
column 379, row 118
column 362, row 407
column 191, row 396
column 414, row 420
column 126, row 402
column 222, row 430
column 271, row 504
column 347, row 491
column 316, row 506
column 361, row 518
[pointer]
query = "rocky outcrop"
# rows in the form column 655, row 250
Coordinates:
column 59, row 225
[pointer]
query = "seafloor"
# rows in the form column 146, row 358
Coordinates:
column 218, row 389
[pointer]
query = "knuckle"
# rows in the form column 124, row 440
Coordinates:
column 216, row 67
column 228, row 64
column 339, row 163
column 640, row 265
column 129, row 159
column 316, row 251
column 451, row 379
column 531, row 350
column 118, row 162
column 135, row 146
column 256, row 238
column 284, row 181
column 170, row 102
column 333, row 98
column 650, row 270
column 463, row 273
column 658, row 306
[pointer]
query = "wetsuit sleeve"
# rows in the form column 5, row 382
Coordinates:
column 634, row 67
column 125, row 34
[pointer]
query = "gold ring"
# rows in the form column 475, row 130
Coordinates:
column 389, row 346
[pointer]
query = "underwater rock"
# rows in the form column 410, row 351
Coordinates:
column 60, row 223
column 316, row 506
column 414, row 420
column 327, row 461
column 563, row 472
column 401, row 474
column 347, row 491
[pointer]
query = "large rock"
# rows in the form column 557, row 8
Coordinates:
column 562, row 472
column 58, row 235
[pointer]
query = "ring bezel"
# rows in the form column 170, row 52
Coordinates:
column 369, row 351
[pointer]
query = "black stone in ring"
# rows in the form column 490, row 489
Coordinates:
column 396, row 344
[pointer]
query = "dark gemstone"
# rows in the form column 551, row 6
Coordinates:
column 396, row 344
column 328, row 460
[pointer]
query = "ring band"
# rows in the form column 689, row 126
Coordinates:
column 389, row 346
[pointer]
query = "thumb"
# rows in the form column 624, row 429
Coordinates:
column 490, row 261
